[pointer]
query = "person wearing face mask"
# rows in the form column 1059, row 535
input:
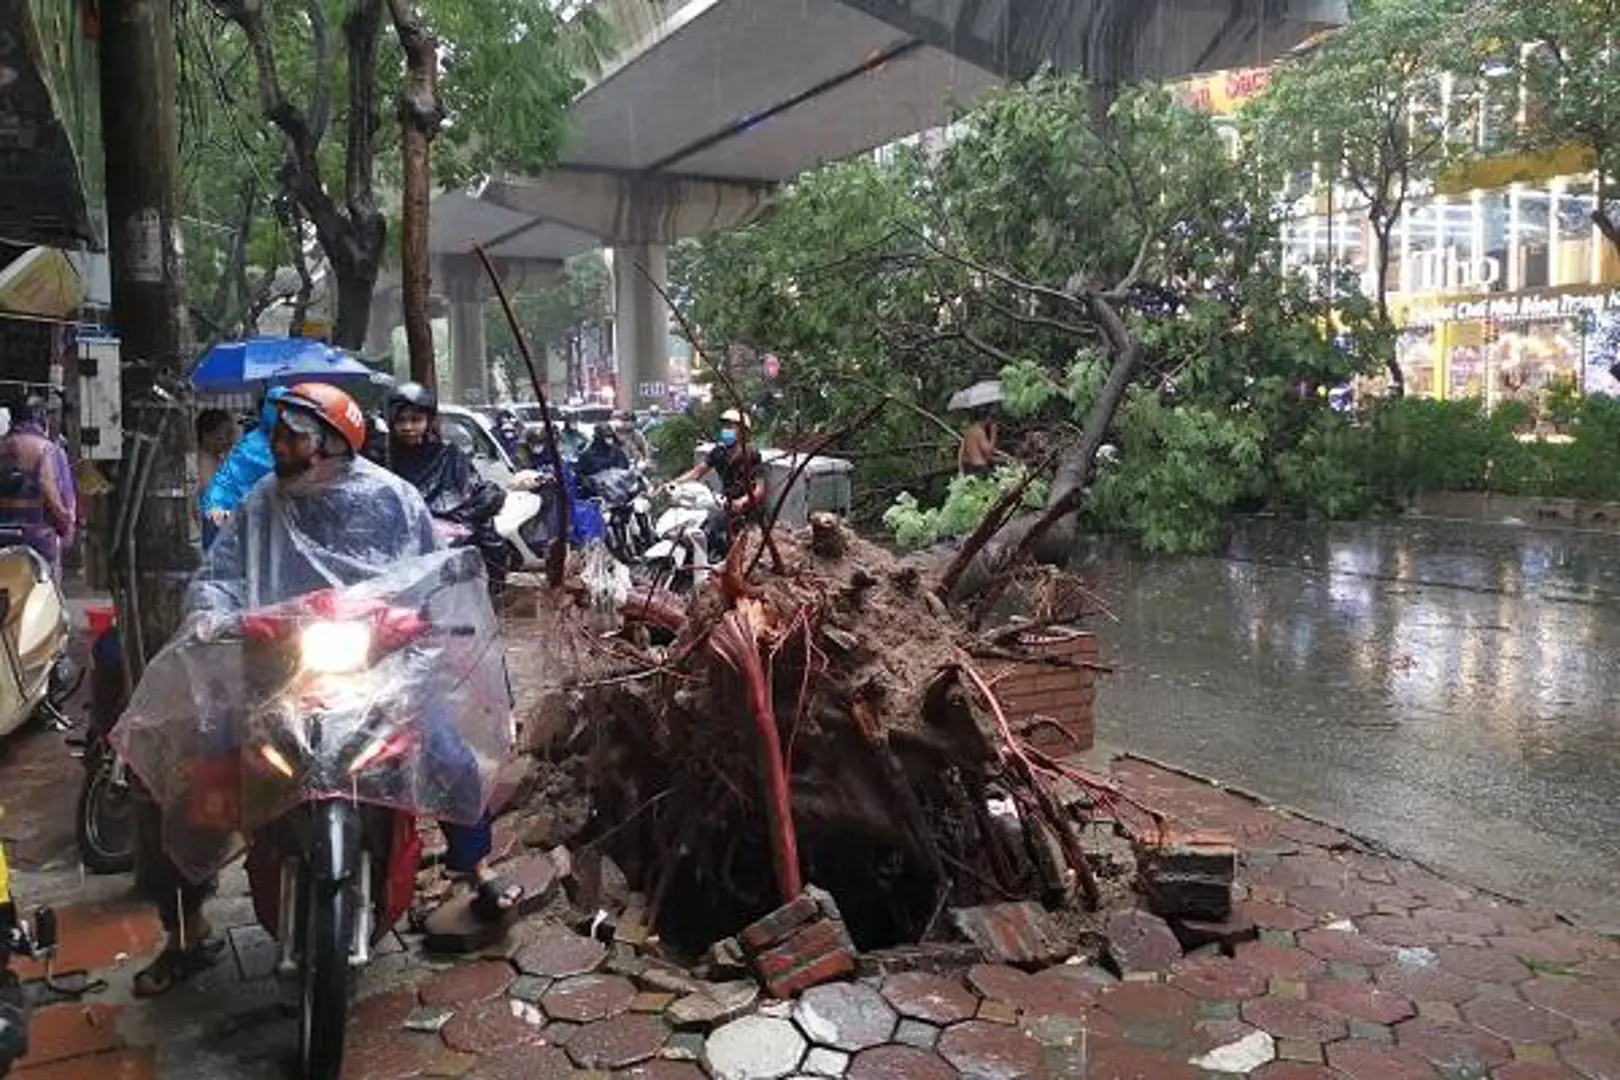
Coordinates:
column 631, row 438
column 741, row 475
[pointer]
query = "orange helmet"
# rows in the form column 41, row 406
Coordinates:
column 330, row 408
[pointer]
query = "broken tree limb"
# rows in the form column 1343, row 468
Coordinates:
column 992, row 523
column 1026, row 533
column 557, row 556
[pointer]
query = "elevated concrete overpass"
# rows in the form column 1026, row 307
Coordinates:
column 722, row 100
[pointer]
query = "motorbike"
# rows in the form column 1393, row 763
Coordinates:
column 626, row 512
column 522, row 522
column 331, row 749
column 38, row 674
column 105, row 821
column 679, row 558
column 18, row 938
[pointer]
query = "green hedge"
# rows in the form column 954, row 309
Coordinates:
column 1345, row 467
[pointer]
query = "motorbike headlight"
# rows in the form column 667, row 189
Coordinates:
column 335, row 648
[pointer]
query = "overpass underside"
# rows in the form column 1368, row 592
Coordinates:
column 1112, row 42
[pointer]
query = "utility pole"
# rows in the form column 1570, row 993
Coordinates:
column 156, row 554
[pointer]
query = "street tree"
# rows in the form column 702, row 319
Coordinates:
column 506, row 72
column 1118, row 272
column 1365, row 110
column 562, row 316
column 1566, row 51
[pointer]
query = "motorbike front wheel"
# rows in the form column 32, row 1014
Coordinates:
column 323, row 1006
column 106, row 820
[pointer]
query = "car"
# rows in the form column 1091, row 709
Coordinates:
column 476, row 436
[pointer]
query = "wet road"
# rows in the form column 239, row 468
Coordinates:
column 1452, row 690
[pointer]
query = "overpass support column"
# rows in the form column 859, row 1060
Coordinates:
column 469, row 361
column 641, row 323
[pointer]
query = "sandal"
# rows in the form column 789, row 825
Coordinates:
column 494, row 899
column 174, row 966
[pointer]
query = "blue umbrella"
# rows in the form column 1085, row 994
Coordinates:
column 248, row 365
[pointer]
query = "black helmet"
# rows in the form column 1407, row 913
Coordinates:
column 413, row 395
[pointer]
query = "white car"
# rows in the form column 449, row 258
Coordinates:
column 476, row 436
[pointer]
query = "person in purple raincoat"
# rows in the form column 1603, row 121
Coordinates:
column 38, row 503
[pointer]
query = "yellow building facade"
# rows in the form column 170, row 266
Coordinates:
column 1501, row 283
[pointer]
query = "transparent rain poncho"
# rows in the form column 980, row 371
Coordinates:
column 330, row 651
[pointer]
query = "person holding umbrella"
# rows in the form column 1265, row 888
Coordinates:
column 976, row 455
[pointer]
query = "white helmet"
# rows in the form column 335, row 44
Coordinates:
column 732, row 416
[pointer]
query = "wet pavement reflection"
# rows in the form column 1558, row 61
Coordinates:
column 1449, row 689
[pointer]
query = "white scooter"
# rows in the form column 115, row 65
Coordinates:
column 35, row 673
column 521, row 521
column 679, row 558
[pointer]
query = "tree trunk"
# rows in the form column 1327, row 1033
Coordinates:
column 157, row 554
column 420, row 116
column 1397, row 377
column 1049, row 534
column 355, row 286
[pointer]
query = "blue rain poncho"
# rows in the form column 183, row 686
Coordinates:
column 248, row 462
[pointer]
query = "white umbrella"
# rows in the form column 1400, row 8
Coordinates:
column 977, row 395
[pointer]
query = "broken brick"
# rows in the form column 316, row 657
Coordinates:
column 774, row 928
column 1021, row 934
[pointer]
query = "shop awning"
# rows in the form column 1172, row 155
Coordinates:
column 44, row 201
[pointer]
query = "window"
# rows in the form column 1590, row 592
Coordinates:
column 1574, row 223
column 1531, row 269
column 1496, row 213
column 465, row 433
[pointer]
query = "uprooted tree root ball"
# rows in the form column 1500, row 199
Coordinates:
column 902, row 788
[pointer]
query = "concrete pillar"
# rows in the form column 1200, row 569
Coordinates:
column 469, row 360
column 641, row 324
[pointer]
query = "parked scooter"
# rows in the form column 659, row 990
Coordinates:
column 105, row 823
column 523, row 519
column 38, row 675
column 18, row 938
column 679, row 558
column 626, row 512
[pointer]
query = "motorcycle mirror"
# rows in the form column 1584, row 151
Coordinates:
column 45, row 929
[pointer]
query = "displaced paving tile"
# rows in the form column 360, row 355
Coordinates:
column 1013, row 933
column 998, row 981
column 845, row 1016
column 583, row 999
column 754, row 1048
column 714, row 1004
column 556, row 953
column 1517, row 1021
column 1138, row 941
column 618, row 1043
column 899, row 1063
column 919, row 995
column 490, row 1026
column 1362, row 1001
column 93, row 936
column 466, row 984
column 990, row 1051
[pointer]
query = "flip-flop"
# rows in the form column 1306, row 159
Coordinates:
column 495, row 899
column 174, row 966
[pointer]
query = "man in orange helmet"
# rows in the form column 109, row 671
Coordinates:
column 327, row 517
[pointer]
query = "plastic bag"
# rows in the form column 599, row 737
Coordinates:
column 391, row 691
column 607, row 584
